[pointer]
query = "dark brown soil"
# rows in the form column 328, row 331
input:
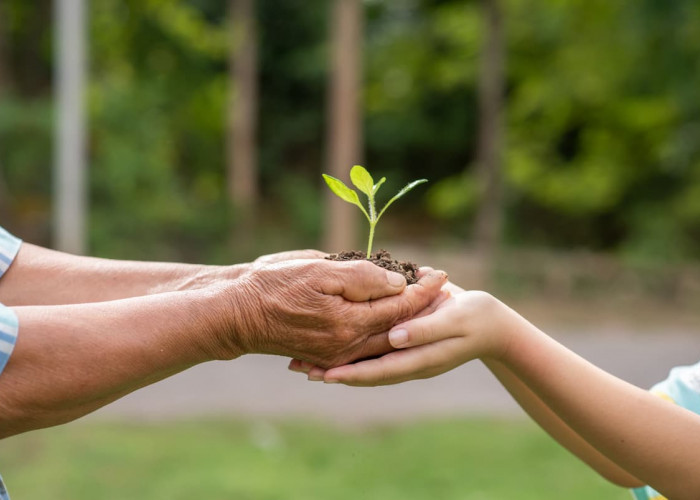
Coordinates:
column 383, row 259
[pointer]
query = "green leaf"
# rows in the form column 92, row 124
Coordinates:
column 362, row 179
column 408, row 187
column 343, row 192
column 398, row 195
column 378, row 184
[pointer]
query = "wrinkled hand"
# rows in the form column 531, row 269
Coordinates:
column 456, row 327
column 323, row 312
column 274, row 258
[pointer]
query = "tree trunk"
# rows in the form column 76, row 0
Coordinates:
column 242, row 144
column 4, row 68
column 4, row 88
column 491, row 103
column 70, row 183
column 344, row 119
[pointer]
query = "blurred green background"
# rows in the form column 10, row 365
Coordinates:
column 602, row 123
column 598, row 199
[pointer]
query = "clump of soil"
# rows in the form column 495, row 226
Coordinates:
column 383, row 259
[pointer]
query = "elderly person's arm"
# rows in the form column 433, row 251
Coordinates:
column 39, row 276
column 71, row 359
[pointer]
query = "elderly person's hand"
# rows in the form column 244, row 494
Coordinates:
column 274, row 258
column 102, row 340
column 324, row 312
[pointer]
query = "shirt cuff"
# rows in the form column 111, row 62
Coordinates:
column 9, row 326
column 9, row 246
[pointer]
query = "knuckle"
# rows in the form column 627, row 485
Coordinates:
column 346, row 335
column 406, row 309
column 364, row 267
column 477, row 300
column 482, row 297
column 419, row 336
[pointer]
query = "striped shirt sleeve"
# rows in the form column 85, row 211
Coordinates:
column 9, row 246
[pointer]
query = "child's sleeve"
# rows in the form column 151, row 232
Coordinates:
column 682, row 387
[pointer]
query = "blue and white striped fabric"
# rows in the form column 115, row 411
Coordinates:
column 3, row 491
column 9, row 246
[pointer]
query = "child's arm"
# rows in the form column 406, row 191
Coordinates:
column 559, row 430
column 650, row 438
column 535, row 408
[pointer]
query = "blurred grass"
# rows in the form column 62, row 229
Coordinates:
column 216, row 460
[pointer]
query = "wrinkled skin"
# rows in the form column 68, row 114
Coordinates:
column 274, row 258
column 327, row 313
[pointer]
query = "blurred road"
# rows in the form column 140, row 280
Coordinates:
column 260, row 386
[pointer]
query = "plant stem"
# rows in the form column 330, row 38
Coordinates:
column 371, row 238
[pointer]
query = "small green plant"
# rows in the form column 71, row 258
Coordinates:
column 364, row 182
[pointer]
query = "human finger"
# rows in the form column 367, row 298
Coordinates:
column 424, row 330
column 298, row 365
column 388, row 311
column 316, row 374
column 360, row 280
column 453, row 289
column 294, row 365
column 442, row 296
column 399, row 366
column 305, row 254
column 375, row 345
column 423, row 270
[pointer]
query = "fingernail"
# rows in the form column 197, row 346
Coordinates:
column 315, row 378
column 441, row 275
column 331, row 381
column 398, row 337
column 395, row 279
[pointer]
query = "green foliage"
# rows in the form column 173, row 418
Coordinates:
column 594, row 139
column 602, row 119
column 453, row 197
column 363, row 181
column 156, row 100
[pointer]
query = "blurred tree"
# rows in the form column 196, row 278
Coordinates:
column 158, row 108
column 602, row 116
column 5, row 210
column 70, row 166
column 242, row 143
column 490, row 145
column 344, row 122
column 597, row 104
column 4, row 68
column 421, row 97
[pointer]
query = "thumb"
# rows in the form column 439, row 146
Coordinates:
column 360, row 280
column 420, row 331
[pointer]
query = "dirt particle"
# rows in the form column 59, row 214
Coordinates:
column 383, row 259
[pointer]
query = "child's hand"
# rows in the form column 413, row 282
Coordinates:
column 462, row 327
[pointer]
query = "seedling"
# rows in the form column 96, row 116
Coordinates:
column 364, row 182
